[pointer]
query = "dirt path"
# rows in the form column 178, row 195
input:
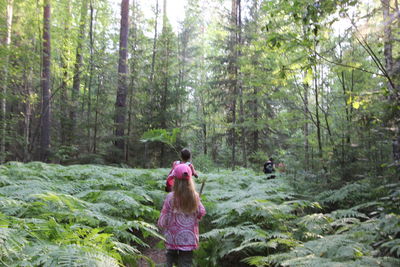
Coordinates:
column 154, row 253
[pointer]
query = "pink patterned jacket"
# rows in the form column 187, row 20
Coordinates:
column 181, row 230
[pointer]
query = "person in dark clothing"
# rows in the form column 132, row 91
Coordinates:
column 185, row 156
column 269, row 168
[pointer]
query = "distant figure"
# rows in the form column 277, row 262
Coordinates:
column 281, row 167
column 269, row 168
column 179, row 219
column 185, row 159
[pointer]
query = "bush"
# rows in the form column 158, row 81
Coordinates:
column 204, row 163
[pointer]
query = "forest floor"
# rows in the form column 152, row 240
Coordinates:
column 153, row 252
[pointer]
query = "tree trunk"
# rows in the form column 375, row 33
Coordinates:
column 388, row 39
column 306, row 130
column 165, row 73
column 76, row 83
column 28, row 114
column 45, row 116
column 239, row 84
column 153, row 56
column 132, row 83
column 7, row 43
column 96, row 114
column 393, row 70
column 204, row 125
column 89, row 97
column 64, row 123
column 153, row 62
column 232, row 72
column 317, row 117
column 120, row 105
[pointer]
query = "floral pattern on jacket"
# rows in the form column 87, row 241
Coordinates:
column 181, row 230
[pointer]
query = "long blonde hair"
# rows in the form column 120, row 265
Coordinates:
column 185, row 195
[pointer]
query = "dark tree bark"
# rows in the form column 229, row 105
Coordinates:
column 165, row 71
column 153, row 63
column 64, row 123
column 45, row 115
column 393, row 69
column 28, row 114
column 153, row 56
column 133, row 77
column 317, row 117
column 232, row 74
column 96, row 114
column 239, row 84
column 120, row 105
column 306, row 130
column 7, row 42
column 91, row 60
column 76, row 83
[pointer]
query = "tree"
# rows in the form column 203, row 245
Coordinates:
column 120, row 104
column 45, row 114
column 392, row 67
column 7, row 42
column 64, row 122
column 76, row 83
column 233, row 78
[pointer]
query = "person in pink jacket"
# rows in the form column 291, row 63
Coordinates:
column 179, row 219
column 185, row 156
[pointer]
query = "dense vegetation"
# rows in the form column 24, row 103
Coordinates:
column 75, row 216
column 313, row 83
column 87, row 215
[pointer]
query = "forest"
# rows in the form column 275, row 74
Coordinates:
column 99, row 96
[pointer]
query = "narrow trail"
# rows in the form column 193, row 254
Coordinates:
column 155, row 254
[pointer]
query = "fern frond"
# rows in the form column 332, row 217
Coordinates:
column 348, row 213
column 317, row 223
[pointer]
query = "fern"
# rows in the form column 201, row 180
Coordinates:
column 75, row 216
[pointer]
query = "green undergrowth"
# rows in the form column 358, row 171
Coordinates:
column 89, row 215
column 253, row 221
column 81, row 215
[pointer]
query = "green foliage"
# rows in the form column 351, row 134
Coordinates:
column 90, row 215
column 205, row 164
column 52, row 215
column 265, row 223
column 161, row 135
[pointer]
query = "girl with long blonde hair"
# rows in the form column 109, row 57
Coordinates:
column 180, row 217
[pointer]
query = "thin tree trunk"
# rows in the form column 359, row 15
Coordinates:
column 306, row 128
column 76, row 83
column 255, row 117
column 165, row 71
column 99, row 86
column 346, row 107
column 45, row 115
column 153, row 62
column 388, row 39
column 232, row 70
column 7, row 42
column 132, row 83
column 89, row 98
column 120, row 105
column 239, row 83
column 394, row 84
column 153, row 56
column 28, row 114
column 204, row 125
column 317, row 117
column 64, row 88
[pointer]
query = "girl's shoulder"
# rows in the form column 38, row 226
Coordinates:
column 170, row 195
